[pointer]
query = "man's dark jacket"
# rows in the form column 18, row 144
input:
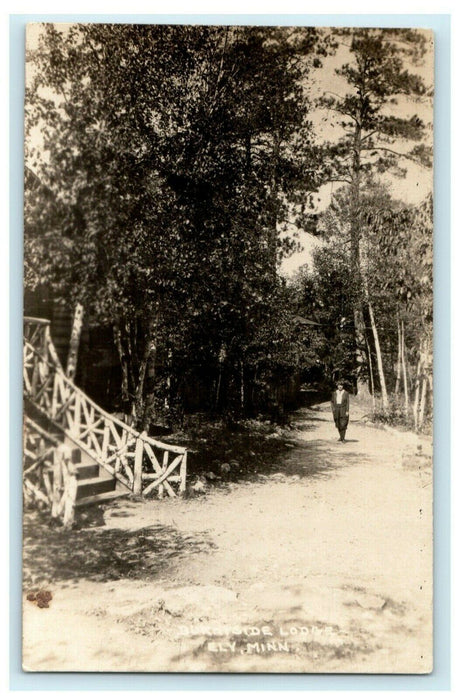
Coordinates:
column 340, row 410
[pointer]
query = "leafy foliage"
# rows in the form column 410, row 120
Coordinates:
column 170, row 154
column 327, row 296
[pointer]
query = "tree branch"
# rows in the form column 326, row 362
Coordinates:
column 371, row 133
column 338, row 179
column 396, row 153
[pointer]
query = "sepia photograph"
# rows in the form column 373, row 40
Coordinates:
column 228, row 349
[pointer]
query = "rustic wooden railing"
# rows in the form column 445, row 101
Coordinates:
column 38, row 454
column 49, row 477
column 140, row 462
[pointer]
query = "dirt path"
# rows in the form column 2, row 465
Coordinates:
column 322, row 565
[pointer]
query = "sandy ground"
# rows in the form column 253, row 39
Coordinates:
column 321, row 565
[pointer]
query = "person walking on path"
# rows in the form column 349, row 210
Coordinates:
column 340, row 404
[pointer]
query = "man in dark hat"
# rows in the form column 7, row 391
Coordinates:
column 340, row 404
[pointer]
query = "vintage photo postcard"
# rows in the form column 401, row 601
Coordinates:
column 228, row 356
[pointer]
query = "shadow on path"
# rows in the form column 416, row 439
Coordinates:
column 101, row 554
column 320, row 458
column 304, row 449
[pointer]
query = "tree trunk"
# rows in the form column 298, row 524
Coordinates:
column 123, row 364
column 355, row 199
column 417, row 392
column 140, row 400
column 371, row 374
column 404, row 369
column 75, row 335
column 130, row 335
column 378, row 353
column 423, row 371
column 272, row 233
column 355, row 252
column 399, row 363
column 143, row 403
column 421, row 414
column 221, row 360
column 361, row 343
column 168, row 397
column 149, row 390
column 219, row 379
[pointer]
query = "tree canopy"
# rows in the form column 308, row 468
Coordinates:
column 172, row 153
column 163, row 161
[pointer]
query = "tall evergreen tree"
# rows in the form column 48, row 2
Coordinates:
column 380, row 75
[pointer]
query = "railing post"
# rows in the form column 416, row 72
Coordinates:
column 105, row 439
column 34, row 376
column 183, row 473
column 46, row 337
column 57, row 485
column 137, row 480
column 50, row 349
column 64, row 486
column 161, row 487
column 77, row 415
column 54, row 397
column 70, row 493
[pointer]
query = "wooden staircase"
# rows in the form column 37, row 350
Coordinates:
column 75, row 453
column 94, row 486
column 94, row 483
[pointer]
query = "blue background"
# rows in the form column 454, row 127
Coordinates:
column 440, row 678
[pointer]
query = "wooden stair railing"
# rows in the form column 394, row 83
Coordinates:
column 141, row 463
column 38, row 455
column 57, row 476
